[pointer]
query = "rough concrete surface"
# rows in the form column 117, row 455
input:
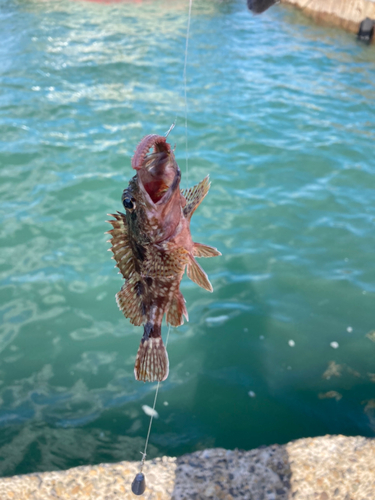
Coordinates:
column 322, row 468
column 345, row 13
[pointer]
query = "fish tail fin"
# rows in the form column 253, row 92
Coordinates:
column 151, row 363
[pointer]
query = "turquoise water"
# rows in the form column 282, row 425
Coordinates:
column 281, row 115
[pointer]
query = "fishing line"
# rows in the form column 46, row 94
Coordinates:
column 139, row 483
column 185, row 93
column 153, row 410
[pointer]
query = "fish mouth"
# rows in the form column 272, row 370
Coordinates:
column 157, row 171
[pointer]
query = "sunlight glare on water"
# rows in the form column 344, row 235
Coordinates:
column 281, row 115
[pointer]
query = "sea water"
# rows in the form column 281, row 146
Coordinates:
column 281, row 115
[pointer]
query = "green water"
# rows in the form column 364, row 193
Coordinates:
column 281, row 115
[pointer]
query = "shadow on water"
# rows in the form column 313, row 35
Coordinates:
column 217, row 383
column 233, row 362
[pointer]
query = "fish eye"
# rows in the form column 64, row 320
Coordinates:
column 128, row 204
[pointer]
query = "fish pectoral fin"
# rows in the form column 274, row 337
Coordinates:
column 177, row 310
column 196, row 274
column 129, row 300
column 194, row 196
column 122, row 251
column 119, row 224
column 200, row 250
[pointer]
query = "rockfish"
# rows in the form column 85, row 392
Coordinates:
column 152, row 246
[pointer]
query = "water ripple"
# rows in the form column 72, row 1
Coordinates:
column 279, row 115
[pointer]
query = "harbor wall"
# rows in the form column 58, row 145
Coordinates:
column 320, row 468
column 347, row 14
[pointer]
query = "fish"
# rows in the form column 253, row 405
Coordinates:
column 259, row 6
column 152, row 246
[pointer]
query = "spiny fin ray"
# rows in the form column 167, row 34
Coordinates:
column 177, row 310
column 122, row 251
column 196, row 274
column 129, row 302
column 200, row 250
column 194, row 196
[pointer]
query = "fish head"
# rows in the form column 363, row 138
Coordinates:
column 153, row 201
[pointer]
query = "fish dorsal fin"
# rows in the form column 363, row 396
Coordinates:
column 200, row 250
column 194, row 196
column 177, row 310
column 196, row 274
column 129, row 300
column 122, row 251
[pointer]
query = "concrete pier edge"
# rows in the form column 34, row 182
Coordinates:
column 320, row 468
column 348, row 14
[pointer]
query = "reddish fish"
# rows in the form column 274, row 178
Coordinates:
column 152, row 246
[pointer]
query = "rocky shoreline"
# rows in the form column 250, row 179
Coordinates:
column 347, row 14
column 321, row 468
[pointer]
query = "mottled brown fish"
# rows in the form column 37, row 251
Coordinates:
column 152, row 246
